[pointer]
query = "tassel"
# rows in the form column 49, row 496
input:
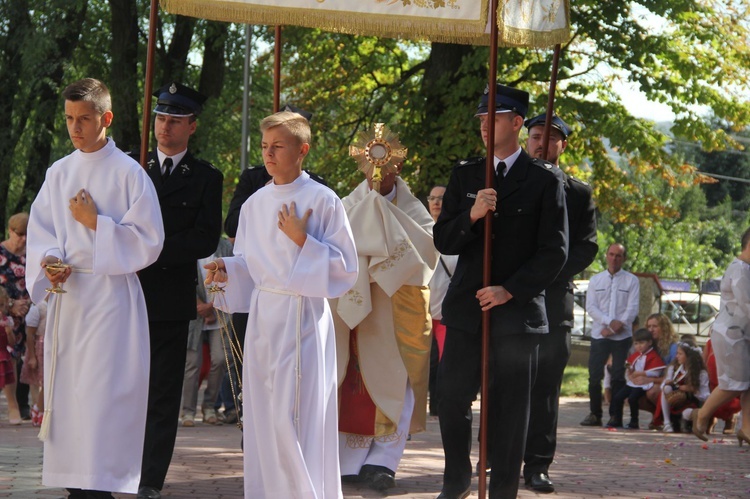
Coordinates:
column 44, row 430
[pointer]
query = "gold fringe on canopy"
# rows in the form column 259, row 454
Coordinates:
column 533, row 23
column 450, row 21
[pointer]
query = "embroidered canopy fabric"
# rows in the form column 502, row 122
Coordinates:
column 538, row 23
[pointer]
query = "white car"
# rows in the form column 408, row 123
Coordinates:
column 582, row 321
column 691, row 313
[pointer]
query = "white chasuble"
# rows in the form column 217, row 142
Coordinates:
column 98, row 392
column 389, row 305
column 290, row 424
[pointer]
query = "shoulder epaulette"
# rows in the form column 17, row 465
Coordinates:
column 477, row 160
column 206, row 163
column 542, row 163
column 578, row 180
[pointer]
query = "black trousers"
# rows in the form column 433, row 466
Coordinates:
column 512, row 369
column 599, row 352
column 541, row 439
column 432, row 384
column 632, row 395
column 168, row 351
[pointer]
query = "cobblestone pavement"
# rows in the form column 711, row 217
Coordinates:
column 590, row 462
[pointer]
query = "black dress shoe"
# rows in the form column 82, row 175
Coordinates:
column 148, row 492
column 377, row 478
column 614, row 423
column 451, row 495
column 592, row 420
column 540, row 482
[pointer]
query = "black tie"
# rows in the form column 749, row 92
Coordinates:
column 499, row 173
column 167, row 170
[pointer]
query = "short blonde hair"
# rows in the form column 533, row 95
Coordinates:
column 18, row 222
column 297, row 125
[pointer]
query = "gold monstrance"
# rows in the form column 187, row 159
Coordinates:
column 377, row 152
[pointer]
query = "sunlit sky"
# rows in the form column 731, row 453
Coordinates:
column 640, row 107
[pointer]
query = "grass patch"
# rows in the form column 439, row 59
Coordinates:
column 575, row 382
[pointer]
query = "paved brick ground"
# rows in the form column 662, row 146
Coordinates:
column 590, row 462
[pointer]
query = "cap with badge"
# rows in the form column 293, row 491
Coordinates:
column 176, row 99
column 507, row 99
column 301, row 112
column 557, row 123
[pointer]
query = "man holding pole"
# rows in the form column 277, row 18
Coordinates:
column 554, row 348
column 530, row 231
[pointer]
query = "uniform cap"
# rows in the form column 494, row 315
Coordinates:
column 507, row 99
column 557, row 123
column 176, row 99
column 301, row 112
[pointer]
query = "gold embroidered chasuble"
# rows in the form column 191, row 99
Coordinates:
column 388, row 308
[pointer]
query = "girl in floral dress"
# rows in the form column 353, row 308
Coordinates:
column 7, row 364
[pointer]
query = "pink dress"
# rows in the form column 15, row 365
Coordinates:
column 7, row 369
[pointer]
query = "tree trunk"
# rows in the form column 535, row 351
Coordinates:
column 69, row 22
column 212, row 72
column 172, row 64
column 12, row 108
column 124, row 76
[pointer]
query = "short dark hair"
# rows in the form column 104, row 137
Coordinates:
column 643, row 335
column 89, row 90
column 745, row 238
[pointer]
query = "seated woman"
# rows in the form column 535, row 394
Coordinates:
column 727, row 411
column 665, row 342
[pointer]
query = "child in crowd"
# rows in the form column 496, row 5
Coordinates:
column 646, row 359
column 7, row 364
column 32, row 372
column 685, row 386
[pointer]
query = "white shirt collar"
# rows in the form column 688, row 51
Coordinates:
column 175, row 159
column 509, row 161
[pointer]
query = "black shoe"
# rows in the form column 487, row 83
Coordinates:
column 148, row 492
column 451, row 495
column 541, row 483
column 377, row 477
column 592, row 420
column 614, row 423
column 686, row 426
column 229, row 417
column 25, row 413
column 351, row 479
column 633, row 425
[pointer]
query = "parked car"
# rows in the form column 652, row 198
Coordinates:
column 691, row 313
column 582, row 321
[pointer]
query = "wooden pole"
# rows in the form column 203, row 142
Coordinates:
column 276, row 69
column 487, row 274
column 550, row 102
column 148, row 84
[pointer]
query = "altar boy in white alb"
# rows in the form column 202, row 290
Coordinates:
column 97, row 212
column 294, row 248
